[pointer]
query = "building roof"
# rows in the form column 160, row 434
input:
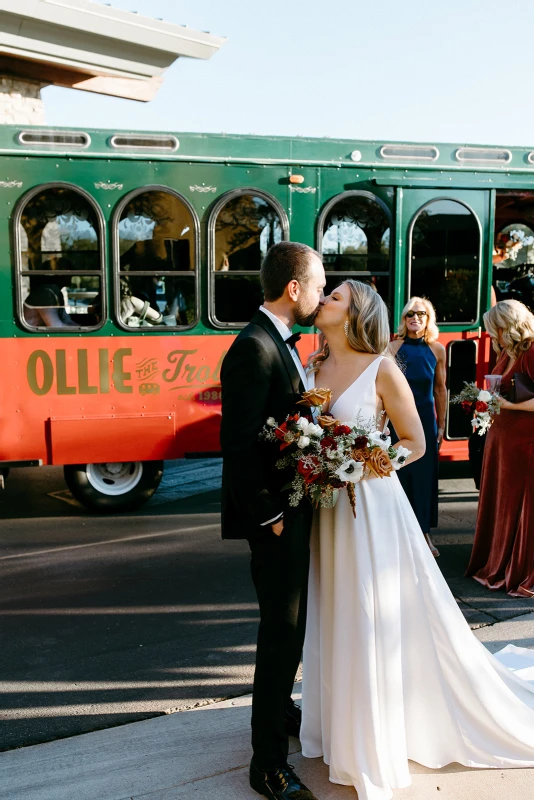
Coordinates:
column 86, row 45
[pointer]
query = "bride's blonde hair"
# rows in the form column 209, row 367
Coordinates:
column 368, row 328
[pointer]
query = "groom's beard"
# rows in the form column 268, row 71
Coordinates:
column 304, row 317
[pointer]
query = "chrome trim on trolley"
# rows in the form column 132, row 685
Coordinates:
column 140, row 141
column 410, row 152
column 54, row 138
column 476, row 155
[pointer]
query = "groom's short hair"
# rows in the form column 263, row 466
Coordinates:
column 285, row 262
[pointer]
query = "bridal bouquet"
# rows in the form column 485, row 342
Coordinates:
column 327, row 455
column 479, row 402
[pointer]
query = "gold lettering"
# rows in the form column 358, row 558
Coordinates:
column 83, row 375
column 61, row 374
column 176, row 357
column 48, row 372
column 119, row 375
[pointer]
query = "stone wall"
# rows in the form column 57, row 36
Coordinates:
column 20, row 102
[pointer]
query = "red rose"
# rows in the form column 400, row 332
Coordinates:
column 328, row 443
column 481, row 405
column 341, row 430
column 360, row 442
column 307, row 467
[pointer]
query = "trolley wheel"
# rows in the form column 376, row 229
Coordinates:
column 109, row 487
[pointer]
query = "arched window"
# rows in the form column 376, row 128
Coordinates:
column 445, row 260
column 354, row 239
column 243, row 226
column 157, row 260
column 60, row 260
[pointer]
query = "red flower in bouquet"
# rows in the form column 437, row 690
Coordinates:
column 308, row 468
column 282, row 429
column 341, row 430
column 480, row 405
column 360, row 441
column 328, row 443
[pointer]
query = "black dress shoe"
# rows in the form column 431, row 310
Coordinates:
column 279, row 783
column 293, row 720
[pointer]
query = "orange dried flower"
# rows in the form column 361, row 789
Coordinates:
column 327, row 422
column 315, row 397
column 379, row 463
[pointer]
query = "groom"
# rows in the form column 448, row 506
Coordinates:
column 262, row 376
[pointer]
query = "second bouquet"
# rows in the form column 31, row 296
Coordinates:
column 327, row 454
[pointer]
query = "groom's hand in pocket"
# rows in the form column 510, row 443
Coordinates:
column 278, row 527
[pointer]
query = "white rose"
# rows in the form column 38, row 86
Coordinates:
column 303, row 442
column 303, row 424
column 315, row 430
column 350, row 471
column 400, row 459
column 271, row 422
column 381, row 439
column 484, row 396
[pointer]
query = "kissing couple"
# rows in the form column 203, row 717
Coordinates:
column 391, row 670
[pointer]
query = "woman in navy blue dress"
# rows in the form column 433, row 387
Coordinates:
column 422, row 359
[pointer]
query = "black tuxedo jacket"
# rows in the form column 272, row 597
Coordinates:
column 259, row 380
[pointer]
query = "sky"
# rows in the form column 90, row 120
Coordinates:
column 391, row 70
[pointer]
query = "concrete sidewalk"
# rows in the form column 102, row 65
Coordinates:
column 205, row 753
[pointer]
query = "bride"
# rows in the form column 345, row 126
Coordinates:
column 392, row 671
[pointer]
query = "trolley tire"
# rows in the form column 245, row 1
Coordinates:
column 81, row 487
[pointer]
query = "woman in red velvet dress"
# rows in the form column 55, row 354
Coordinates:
column 503, row 550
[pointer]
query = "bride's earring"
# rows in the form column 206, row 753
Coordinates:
column 346, row 328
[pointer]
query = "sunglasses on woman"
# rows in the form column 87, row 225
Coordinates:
column 420, row 314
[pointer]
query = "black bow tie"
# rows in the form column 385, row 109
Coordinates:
column 292, row 340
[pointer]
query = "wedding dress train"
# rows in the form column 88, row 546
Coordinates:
column 392, row 671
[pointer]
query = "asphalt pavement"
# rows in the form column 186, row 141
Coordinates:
column 109, row 620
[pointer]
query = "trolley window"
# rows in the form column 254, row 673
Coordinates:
column 157, row 261
column 243, row 227
column 445, row 260
column 354, row 240
column 60, row 260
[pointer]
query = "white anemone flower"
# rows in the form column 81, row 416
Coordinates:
column 350, row 471
column 381, row 439
column 400, row 459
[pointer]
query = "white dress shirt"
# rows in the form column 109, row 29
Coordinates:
column 284, row 332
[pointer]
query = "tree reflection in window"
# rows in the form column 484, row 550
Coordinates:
column 245, row 227
column 157, row 242
column 356, row 234
column 60, row 260
column 446, row 260
column 355, row 241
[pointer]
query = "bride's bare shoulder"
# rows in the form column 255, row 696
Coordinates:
column 389, row 373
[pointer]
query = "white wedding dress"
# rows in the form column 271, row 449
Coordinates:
column 391, row 669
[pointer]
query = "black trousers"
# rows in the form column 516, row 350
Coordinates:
column 279, row 566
